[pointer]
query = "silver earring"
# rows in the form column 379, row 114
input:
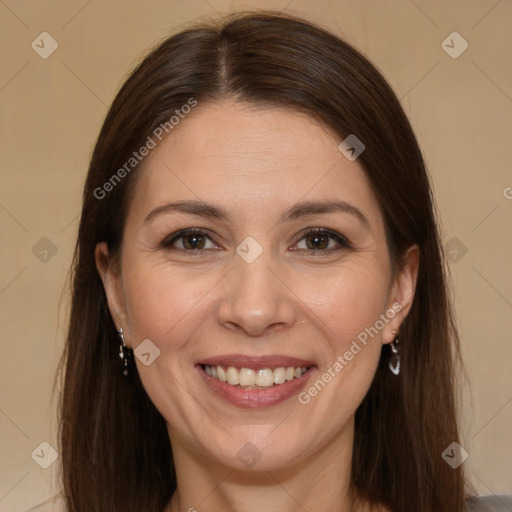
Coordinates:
column 394, row 360
column 124, row 353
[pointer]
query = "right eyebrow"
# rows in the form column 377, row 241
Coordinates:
column 191, row 207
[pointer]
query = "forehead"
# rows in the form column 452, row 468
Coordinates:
column 250, row 159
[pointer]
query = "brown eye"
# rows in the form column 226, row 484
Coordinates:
column 189, row 240
column 317, row 241
column 322, row 241
column 195, row 241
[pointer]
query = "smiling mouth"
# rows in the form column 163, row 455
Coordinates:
column 248, row 378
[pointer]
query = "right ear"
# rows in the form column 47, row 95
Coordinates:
column 110, row 273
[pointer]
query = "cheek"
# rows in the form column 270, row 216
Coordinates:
column 175, row 308
column 348, row 299
column 348, row 307
column 168, row 304
column 165, row 303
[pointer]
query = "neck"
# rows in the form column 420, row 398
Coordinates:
column 318, row 483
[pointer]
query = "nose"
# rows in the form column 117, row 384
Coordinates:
column 255, row 299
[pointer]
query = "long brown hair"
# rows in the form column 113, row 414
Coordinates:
column 116, row 454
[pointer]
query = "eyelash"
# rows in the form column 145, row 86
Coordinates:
column 340, row 239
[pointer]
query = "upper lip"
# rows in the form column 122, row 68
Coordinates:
column 256, row 362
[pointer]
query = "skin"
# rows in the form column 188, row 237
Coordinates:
column 256, row 163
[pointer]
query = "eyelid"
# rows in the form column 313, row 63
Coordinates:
column 338, row 237
column 167, row 242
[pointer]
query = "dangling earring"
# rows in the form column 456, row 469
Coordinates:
column 394, row 360
column 124, row 353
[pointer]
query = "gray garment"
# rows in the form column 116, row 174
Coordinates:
column 491, row 503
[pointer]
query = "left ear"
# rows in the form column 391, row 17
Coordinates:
column 402, row 293
column 110, row 275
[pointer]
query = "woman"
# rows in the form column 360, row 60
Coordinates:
column 259, row 311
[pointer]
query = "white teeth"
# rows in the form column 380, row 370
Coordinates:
column 279, row 375
column 263, row 377
column 233, row 376
column 247, row 377
column 221, row 374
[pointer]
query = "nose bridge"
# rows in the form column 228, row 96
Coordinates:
column 255, row 298
column 255, row 283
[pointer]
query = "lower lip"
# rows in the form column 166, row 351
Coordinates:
column 255, row 398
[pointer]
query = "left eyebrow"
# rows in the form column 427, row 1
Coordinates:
column 304, row 209
column 321, row 207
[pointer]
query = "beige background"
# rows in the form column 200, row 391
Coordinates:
column 51, row 111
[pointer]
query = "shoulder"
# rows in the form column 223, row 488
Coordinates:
column 491, row 503
column 54, row 504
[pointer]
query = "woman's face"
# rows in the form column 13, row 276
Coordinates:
column 254, row 286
